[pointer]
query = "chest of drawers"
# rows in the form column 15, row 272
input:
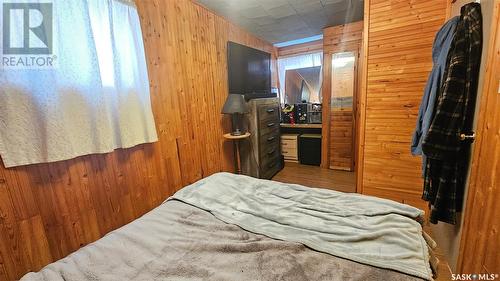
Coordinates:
column 261, row 156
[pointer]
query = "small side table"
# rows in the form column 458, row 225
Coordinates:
column 236, row 142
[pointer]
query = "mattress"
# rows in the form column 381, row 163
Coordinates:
column 179, row 241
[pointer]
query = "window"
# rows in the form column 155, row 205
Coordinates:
column 93, row 100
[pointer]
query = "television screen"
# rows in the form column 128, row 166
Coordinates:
column 249, row 71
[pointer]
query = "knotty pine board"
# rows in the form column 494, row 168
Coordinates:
column 398, row 60
column 50, row 210
column 341, row 139
column 300, row 49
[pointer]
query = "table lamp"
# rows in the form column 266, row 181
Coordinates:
column 236, row 106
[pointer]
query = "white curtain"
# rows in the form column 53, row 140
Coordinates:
column 296, row 62
column 96, row 97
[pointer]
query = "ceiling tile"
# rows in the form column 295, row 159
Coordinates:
column 326, row 2
column 301, row 2
column 282, row 11
column 254, row 12
column 265, row 20
column 241, row 4
column 316, row 19
column 284, row 20
column 336, row 7
column 303, row 8
column 269, row 4
column 293, row 22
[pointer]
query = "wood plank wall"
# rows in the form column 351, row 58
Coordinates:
column 300, row 49
column 397, row 54
column 50, row 210
column 342, row 38
column 341, row 139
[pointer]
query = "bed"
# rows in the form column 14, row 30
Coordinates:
column 233, row 227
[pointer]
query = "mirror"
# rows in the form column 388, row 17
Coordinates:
column 343, row 81
column 303, row 85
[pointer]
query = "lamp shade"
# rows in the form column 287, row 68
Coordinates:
column 235, row 104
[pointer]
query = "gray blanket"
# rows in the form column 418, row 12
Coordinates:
column 177, row 241
column 365, row 229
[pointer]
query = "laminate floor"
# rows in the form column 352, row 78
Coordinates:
column 315, row 176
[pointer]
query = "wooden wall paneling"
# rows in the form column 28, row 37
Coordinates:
column 396, row 59
column 342, row 38
column 361, row 103
column 342, row 139
column 50, row 210
column 481, row 239
column 325, row 114
column 299, row 49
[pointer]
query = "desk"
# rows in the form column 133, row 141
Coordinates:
column 301, row 128
column 304, row 146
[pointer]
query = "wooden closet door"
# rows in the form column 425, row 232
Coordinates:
column 481, row 234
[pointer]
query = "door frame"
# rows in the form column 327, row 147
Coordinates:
column 483, row 187
column 326, row 100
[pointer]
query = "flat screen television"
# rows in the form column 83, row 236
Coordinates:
column 249, row 71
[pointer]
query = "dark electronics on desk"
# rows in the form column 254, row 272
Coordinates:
column 302, row 113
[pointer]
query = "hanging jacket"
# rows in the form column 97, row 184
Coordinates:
column 447, row 155
column 441, row 46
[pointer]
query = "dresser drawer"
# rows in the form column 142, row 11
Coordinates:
column 290, row 137
column 288, row 144
column 269, row 131
column 269, row 126
column 268, row 116
column 269, row 166
column 268, row 112
column 289, row 140
column 290, row 153
column 269, row 150
column 270, row 137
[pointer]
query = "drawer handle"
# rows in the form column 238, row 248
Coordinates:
column 270, row 125
column 271, row 138
column 271, row 110
column 271, row 152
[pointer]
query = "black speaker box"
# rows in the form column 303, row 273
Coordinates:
column 301, row 113
column 310, row 149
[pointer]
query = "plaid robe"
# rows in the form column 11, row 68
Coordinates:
column 448, row 156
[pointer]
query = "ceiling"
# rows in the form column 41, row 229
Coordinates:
column 279, row 21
